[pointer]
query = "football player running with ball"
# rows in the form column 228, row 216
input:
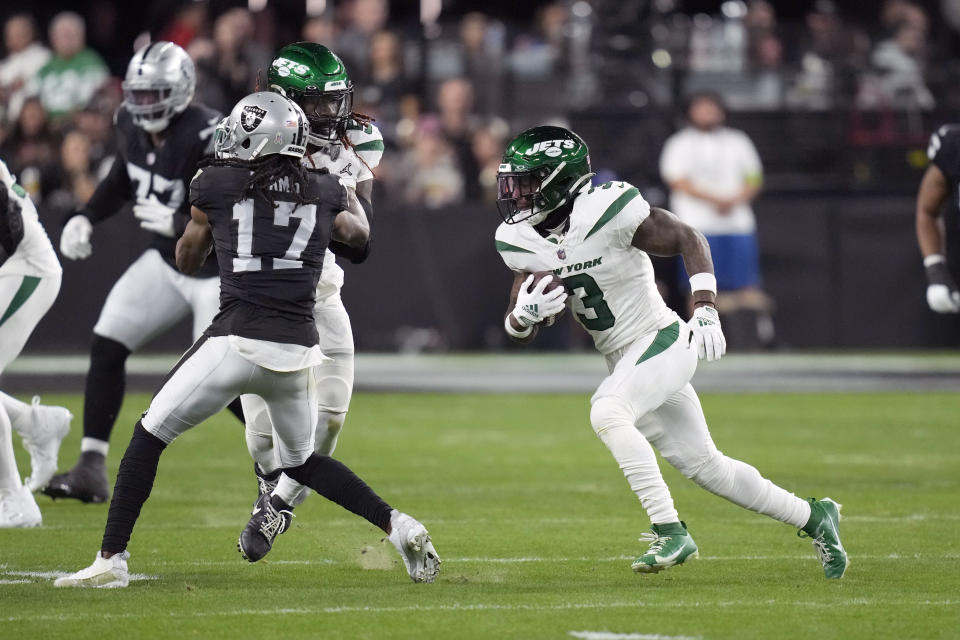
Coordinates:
column 162, row 138
column 270, row 221
column 349, row 146
column 597, row 238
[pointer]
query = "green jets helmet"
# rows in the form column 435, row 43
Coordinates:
column 315, row 78
column 542, row 169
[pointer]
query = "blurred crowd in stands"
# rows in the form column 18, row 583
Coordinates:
column 447, row 93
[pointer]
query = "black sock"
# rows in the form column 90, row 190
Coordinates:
column 105, row 386
column 337, row 483
column 237, row 409
column 134, row 483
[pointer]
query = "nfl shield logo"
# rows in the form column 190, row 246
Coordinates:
column 251, row 117
column 561, row 254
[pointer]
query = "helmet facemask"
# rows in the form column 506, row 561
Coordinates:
column 519, row 195
column 531, row 195
column 151, row 104
column 328, row 113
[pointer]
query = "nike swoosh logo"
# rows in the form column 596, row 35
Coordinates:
column 256, row 511
column 670, row 557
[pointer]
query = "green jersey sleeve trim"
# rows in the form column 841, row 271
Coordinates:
column 372, row 145
column 615, row 207
column 506, row 246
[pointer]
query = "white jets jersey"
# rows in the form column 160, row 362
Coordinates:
column 611, row 285
column 34, row 255
column 352, row 164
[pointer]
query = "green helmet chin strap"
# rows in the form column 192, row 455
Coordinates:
column 542, row 169
column 316, row 79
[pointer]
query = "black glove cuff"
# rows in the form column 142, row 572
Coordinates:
column 939, row 274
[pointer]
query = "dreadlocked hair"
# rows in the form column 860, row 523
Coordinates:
column 363, row 120
column 266, row 172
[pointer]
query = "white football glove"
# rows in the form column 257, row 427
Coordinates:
column 942, row 299
column 75, row 238
column 155, row 217
column 534, row 305
column 705, row 325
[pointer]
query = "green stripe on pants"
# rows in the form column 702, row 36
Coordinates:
column 27, row 287
column 664, row 338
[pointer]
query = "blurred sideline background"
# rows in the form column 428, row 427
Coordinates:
column 839, row 98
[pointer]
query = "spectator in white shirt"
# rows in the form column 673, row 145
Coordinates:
column 714, row 173
column 25, row 56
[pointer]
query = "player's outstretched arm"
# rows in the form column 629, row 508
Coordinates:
column 195, row 244
column 942, row 294
column 351, row 226
column 663, row 234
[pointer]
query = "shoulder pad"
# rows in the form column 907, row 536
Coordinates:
column 947, row 137
column 367, row 142
column 599, row 204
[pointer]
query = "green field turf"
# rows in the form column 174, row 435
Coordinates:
column 535, row 525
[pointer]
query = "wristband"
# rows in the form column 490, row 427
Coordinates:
column 703, row 282
column 513, row 332
column 934, row 258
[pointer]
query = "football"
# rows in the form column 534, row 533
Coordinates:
column 555, row 281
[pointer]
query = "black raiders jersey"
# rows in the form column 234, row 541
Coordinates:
column 270, row 257
column 144, row 173
column 944, row 152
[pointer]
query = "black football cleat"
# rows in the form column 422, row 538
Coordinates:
column 271, row 517
column 86, row 482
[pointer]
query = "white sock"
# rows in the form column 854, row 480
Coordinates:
column 639, row 465
column 94, row 444
column 743, row 485
column 18, row 412
column 9, row 476
column 288, row 490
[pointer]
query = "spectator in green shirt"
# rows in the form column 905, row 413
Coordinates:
column 75, row 72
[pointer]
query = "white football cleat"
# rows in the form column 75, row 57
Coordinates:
column 47, row 428
column 18, row 508
column 413, row 542
column 104, row 573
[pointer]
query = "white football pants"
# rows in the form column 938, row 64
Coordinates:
column 150, row 297
column 647, row 400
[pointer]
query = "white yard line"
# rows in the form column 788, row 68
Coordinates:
column 609, row 635
column 491, row 560
column 53, row 575
column 910, row 518
column 564, row 606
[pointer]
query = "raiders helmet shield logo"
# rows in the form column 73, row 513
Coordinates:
column 251, row 117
